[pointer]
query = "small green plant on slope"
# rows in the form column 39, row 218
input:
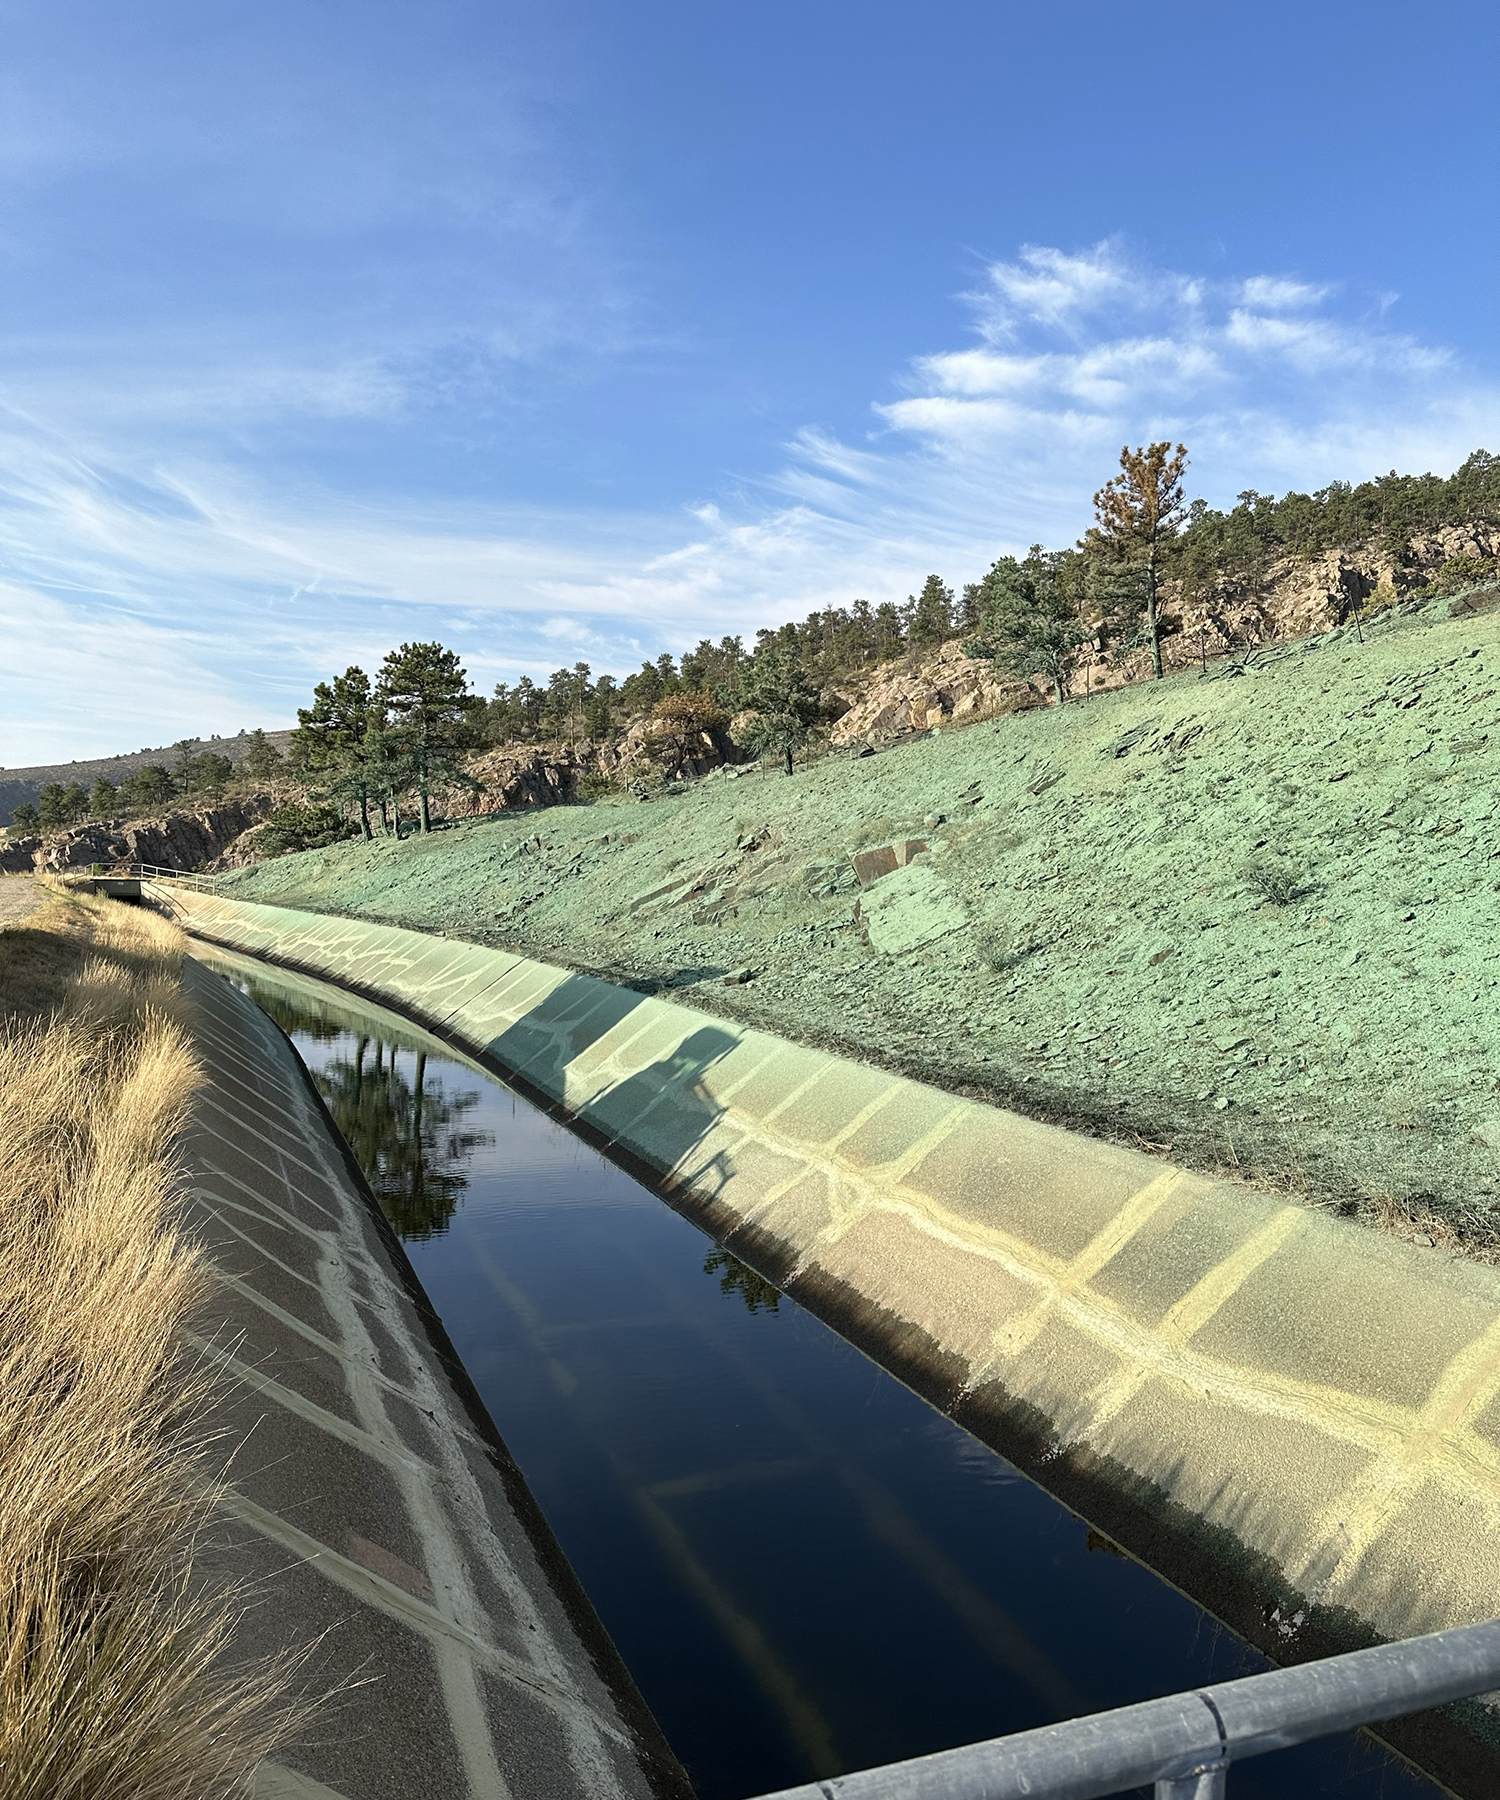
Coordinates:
column 1275, row 882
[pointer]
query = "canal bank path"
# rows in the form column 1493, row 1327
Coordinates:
column 1294, row 1419
column 372, row 1511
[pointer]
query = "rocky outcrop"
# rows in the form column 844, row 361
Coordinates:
column 1292, row 597
column 515, row 777
column 18, row 854
column 179, row 840
column 1297, row 596
column 916, row 693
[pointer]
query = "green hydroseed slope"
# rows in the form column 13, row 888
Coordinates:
column 1249, row 919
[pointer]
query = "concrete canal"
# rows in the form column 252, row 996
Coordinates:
column 806, row 1568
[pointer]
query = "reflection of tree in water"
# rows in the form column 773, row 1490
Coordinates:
column 739, row 1278
column 408, row 1139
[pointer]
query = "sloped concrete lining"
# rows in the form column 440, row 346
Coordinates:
column 372, row 1511
column 1294, row 1419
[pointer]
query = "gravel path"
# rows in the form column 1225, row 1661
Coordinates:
column 19, row 895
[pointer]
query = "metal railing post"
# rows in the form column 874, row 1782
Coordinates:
column 1208, row 1784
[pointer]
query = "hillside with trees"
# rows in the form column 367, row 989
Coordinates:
column 1157, row 582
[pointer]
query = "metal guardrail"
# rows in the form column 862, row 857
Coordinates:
column 204, row 884
column 1186, row 1743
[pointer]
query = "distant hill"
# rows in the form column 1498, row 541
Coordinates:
column 20, row 785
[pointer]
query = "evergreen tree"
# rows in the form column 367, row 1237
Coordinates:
column 25, row 819
column 262, row 761
column 60, row 807
column 889, row 636
column 515, row 712
column 332, row 739
column 599, row 709
column 567, row 697
column 784, row 705
column 425, row 689
column 1138, row 513
column 205, row 777
column 930, row 615
column 685, row 718
column 335, row 722
column 104, row 799
column 147, row 790
column 1029, row 623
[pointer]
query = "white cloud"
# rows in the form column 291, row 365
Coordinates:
column 155, row 593
column 1278, row 293
column 1052, row 287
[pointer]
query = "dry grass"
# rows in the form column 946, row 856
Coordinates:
column 112, row 1682
column 1415, row 1222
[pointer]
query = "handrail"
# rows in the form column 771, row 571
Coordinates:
column 1186, row 1743
column 206, row 884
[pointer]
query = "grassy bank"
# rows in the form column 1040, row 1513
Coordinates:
column 110, row 1676
column 1249, row 919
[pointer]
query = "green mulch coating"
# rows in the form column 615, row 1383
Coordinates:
column 1250, row 919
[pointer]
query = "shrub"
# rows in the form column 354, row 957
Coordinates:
column 1275, row 882
column 594, row 786
column 302, row 825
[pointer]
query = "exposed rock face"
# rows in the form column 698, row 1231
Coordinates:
column 518, row 776
column 914, row 695
column 18, row 855
column 1293, row 597
column 1297, row 596
column 181, row 840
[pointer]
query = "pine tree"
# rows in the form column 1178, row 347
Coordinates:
column 263, row 761
column 425, row 689
column 332, row 735
column 784, row 705
column 1138, row 512
column 104, row 799
column 931, row 614
column 1029, row 623
column 685, row 718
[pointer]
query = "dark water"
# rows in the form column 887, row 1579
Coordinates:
column 806, row 1568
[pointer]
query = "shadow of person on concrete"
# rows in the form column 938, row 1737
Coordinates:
column 559, row 1028
column 663, row 1112
column 655, row 1116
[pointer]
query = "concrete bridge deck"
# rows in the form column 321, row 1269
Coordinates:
column 372, row 1507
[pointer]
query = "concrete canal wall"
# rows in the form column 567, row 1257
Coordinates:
column 1295, row 1419
column 372, row 1513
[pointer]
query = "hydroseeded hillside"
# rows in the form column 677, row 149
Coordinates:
column 1249, row 919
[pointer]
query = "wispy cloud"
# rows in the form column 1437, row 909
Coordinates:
column 164, row 581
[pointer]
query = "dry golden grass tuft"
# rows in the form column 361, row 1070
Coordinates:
column 112, row 1677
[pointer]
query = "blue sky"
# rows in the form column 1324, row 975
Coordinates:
column 581, row 330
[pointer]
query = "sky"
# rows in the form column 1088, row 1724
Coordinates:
column 579, row 331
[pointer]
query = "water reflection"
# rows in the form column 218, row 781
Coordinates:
column 739, row 1278
column 408, row 1135
column 406, row 1131
column 806, row 1569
